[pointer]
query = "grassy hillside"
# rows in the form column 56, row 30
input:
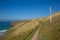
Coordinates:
column 25, row 30
column 50, row 31
column 21, row 31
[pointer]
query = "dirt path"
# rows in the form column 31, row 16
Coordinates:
column 35, row 35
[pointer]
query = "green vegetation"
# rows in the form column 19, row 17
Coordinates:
column 25, row 31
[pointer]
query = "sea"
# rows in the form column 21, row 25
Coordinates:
column 4, row 25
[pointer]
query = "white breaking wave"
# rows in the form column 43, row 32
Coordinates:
column 3, row 31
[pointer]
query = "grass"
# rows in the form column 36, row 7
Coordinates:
column 48, row 31
column 23, row 31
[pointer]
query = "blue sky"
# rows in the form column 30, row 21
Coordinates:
column 27, row 9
